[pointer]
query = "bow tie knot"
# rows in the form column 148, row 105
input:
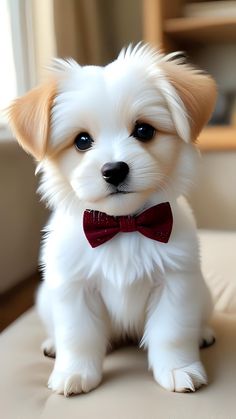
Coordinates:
column 155, row 223
column 127, row 224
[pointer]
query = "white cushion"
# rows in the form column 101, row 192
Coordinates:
column 218, row 250
column 127, row 391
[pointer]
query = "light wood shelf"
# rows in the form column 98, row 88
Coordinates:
column 202, row 29
column 217, row 138
column 165, row 26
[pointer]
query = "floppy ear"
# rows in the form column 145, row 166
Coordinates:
column 29, row 118
column 196, row 90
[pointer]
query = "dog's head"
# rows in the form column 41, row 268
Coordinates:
column 110, row 137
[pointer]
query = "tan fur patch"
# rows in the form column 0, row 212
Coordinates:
column 29, row 117
column 196, row 90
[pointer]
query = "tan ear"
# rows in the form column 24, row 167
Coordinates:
column 29, row 118
column 197, row 92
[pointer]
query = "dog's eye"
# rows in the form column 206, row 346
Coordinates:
column 143, row 132
column 83, row 141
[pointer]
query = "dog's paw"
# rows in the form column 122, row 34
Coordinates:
column 48, row 348
column 207, row 337
column 182, row 380
column 66, row 383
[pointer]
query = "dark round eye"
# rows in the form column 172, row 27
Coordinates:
column 83, row 141
column 143, row 132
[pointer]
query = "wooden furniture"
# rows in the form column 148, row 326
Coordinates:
column 165, row 26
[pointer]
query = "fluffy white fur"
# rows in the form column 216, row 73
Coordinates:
column 130, row 286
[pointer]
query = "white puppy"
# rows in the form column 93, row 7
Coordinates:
column 119, row 140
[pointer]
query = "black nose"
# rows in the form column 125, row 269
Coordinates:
column 115, row 173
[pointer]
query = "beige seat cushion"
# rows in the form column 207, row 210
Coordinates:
column 218, row 249
column 128, row 390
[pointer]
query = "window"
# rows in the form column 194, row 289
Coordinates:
column 17, row 70
column 8, row 89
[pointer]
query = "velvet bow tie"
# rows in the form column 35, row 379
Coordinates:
column 154, row 223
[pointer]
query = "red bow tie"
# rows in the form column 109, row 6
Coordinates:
column 155, row 223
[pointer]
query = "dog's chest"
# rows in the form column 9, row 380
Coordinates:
column 126, row 258
column 127, row 307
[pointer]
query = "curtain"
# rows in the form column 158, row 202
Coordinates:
column 93, row 31
column 43, row 34
column 90, row 31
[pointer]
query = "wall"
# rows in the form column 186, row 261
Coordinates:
column 214, row 198
column 21, row 215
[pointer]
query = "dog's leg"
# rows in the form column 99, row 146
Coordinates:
column 172, row 332
column 81, row 332
column 207, row 337
column 44, row 308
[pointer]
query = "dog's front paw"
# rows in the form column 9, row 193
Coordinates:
column 67, row 383
column 183, row 380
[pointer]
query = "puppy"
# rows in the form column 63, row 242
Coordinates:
column 120, row 253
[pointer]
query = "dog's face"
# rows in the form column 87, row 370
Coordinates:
column 117, row 137
column 112, row 136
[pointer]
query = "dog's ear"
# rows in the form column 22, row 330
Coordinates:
column 197, row 92
column 29, row 118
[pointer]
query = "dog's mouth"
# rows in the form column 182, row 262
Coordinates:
column 120, row 192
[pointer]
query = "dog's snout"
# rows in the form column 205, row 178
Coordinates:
column 115, row 173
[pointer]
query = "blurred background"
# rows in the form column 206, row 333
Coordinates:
column 93, row 32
